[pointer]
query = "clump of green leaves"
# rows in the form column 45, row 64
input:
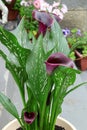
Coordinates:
column 29, row 23
column 45, row 93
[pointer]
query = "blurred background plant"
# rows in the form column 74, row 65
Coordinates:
column 77, row 40
column 25, row 8
column 28, row 6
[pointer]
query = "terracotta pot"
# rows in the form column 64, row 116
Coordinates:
column 13, row 125
column 12, row 14
column 11, row 5
column 81, row 62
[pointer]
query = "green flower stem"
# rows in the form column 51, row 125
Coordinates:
column 42, row 112
column 21, row 123
column 27, row 127
column 57, row 94
column 46, row 119
column 57, row 111
column 36, row 124
column 43, row 108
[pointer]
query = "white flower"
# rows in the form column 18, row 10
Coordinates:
column 49, row 9
column 24, row 3
column 44, row 6
column 58, row 13
column 64, row 8
column 9, row 1
column 55, row 4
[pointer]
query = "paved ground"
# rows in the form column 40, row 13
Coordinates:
column 73, row 4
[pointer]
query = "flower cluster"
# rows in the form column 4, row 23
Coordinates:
column 73, row 32
column 42, row 10
column 56, row 8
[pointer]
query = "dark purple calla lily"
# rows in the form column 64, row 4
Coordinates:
column 29, row 117
column 57, row 59
column 44, row 19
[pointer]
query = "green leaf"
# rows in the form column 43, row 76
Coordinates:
column 22, row 35
column 11, row 43
column 63, row 78
column 36, row 71
column 16, row 60
column 55, row 40
column 8, row 105
column 77, row 44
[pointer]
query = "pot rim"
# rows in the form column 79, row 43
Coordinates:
column 60, row 119
column 66, row 121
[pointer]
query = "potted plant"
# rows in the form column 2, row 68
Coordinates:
column 13, row 8
column 42, row 71
column 78, row 45
column 13, row 125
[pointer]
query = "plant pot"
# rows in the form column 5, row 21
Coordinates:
column 12, row 14
column 13, row 125
column 81, row 62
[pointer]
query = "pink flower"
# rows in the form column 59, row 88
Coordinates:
column 37, row 3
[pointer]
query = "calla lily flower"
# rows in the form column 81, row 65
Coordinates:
column 29, row 117
column 57, row 59
column 44, row 19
